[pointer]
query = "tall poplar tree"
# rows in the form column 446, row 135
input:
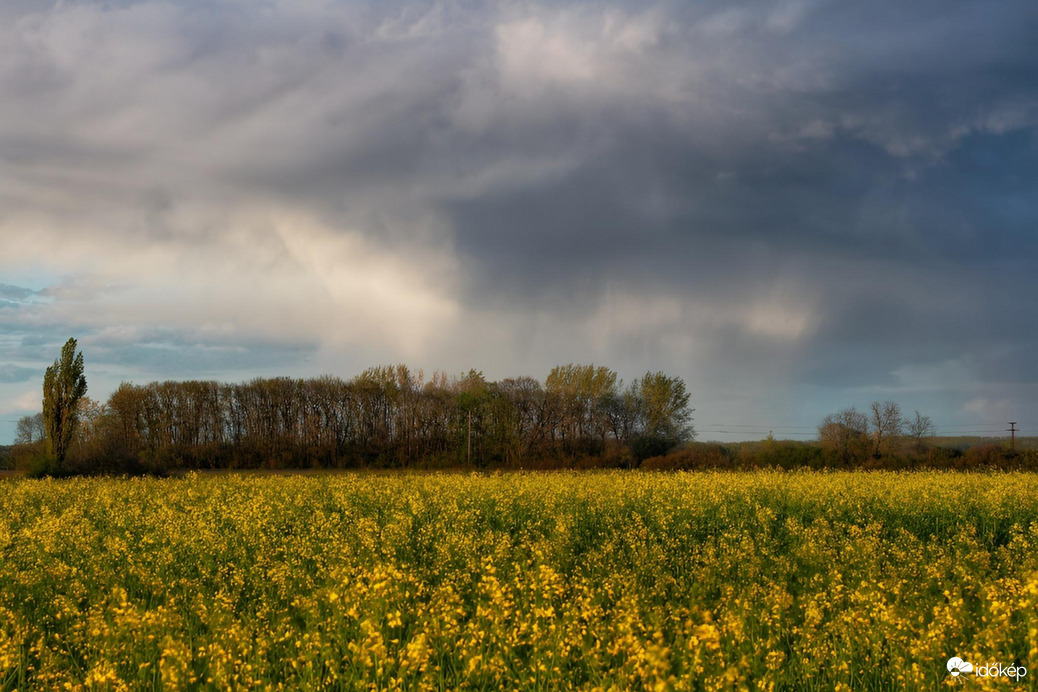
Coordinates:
column 63, row 386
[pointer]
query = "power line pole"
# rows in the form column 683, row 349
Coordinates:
column 1012, row 435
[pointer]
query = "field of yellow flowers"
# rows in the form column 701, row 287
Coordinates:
column 706, row 581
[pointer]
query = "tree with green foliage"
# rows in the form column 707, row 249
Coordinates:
column 665, row 417
column 472, row 403
column 581, row 395
column 63, row 386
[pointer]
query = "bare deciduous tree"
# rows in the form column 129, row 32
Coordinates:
column 886, row 426
column 846, row 433
column 30, row 430
column 919, row 429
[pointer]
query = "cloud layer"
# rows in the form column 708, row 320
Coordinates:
column 796, row 207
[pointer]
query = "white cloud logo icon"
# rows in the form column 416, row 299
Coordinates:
column 956, row 666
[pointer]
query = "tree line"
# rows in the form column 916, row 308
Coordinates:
column 854, row 436
column 395, row 417
column 386, row 417
column 879, row 437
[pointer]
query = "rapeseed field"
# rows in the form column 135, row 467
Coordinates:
column 698, row 581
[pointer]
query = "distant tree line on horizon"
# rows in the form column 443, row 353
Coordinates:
column 392, row 417
column 516, row 423
column 881, row 437
column 386, row 417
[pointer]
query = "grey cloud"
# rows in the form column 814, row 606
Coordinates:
column 33, row 340
column 168, row 352
column 11, row 374
column 164, row 360
column 150, row 352
column 15, row 292
column 16, row 297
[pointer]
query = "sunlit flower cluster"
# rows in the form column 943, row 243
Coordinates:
column 705, row 581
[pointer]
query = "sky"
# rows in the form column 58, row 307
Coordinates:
column 795, row 206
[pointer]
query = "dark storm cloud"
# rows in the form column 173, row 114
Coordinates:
column 908, row 150
column 835, row 193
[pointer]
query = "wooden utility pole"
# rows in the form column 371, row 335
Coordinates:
column 469, row 453
column 1012, row 435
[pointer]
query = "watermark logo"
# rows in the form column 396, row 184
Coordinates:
column 957, row 667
